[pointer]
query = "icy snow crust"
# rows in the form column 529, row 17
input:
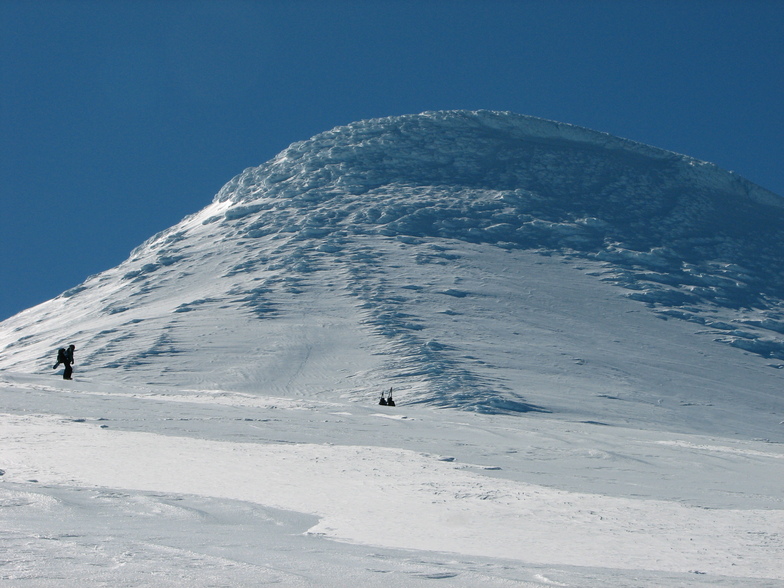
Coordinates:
column 676, row 231
column 223, row 426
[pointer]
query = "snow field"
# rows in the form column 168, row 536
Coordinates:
column 395, row 496
column 583, row 334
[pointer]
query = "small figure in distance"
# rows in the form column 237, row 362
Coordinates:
column 390, row 402
column 65, row 357
column 382, row 401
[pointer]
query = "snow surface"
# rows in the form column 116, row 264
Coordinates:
column 583, row 334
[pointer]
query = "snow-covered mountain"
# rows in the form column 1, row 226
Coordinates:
column 397, row 252
column 606, row 317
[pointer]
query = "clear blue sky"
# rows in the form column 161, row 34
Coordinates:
column 121, row 117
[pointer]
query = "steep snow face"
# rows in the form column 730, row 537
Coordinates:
column 677, row 232
column 398, row 250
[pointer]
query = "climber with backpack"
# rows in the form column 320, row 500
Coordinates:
column 65, row 357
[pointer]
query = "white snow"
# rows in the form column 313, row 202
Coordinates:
column 429, row 490
column 551, row 427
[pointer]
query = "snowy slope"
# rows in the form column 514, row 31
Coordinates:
column 608, row 317
column 297, row 253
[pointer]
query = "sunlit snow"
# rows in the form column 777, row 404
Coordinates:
column 584, row 338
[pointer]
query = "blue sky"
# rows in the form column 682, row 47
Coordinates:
column 120, row 118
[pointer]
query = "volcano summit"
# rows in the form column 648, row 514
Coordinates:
column 456, row 256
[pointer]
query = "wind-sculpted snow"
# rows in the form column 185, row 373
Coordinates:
column 675, row 231
column 397, row 249
column 499, row 151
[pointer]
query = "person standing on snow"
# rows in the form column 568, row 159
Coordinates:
column 65, row 357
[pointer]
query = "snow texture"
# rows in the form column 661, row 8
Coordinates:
column 606, row 317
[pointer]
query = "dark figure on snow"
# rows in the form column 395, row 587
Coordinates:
column 65, row 357
column 387, row 401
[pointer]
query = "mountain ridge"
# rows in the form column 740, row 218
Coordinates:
column 507, row 127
